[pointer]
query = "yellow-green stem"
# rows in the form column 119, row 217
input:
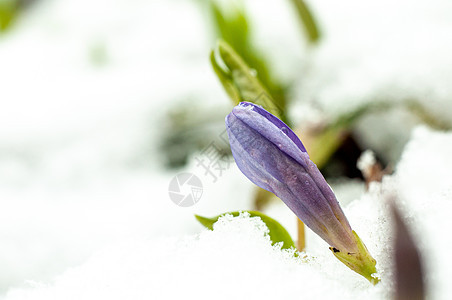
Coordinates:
column 301, row 241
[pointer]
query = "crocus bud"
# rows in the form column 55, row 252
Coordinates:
column 269, row 153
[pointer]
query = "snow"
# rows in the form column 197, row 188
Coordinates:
column 424, row 182
column 382, row 50
column 85, row 212
column 366, row 161
column 237, row 260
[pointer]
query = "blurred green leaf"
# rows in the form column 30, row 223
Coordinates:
column 322, row 144
column 325, row 144
column 277, row 232
column 8, row 10
column 427, row 117
column 231, row 25
column 188, row 127
column 225, row 79
column 307, row 20
column 347, row 120
column 240, row 81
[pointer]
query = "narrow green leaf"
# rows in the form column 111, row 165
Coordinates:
column 239, row 80
column 427, row 117
column 231, row 25
column 8, row 11
column 277, row 232
column 324, row 144
column 225, row 79
column 230, row 21
column 307, row 20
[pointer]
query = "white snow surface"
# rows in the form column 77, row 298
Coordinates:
column 85, row 212
column 237, row 260
column 382, row 50
column 366, row 161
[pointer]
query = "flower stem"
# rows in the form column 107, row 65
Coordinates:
column 301, row 242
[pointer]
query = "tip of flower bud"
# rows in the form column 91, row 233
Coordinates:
column 261, row 121
column 361, row 261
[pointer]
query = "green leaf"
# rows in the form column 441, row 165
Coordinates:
column 307, row 20
column 225, row 79
column 277, row 232
column 230, row 22
column 239, row 80
column 324, row 144
column 8, row 11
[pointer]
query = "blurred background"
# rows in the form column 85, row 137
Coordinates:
column 102, row 103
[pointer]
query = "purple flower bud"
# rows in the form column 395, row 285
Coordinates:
column 269, row 153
